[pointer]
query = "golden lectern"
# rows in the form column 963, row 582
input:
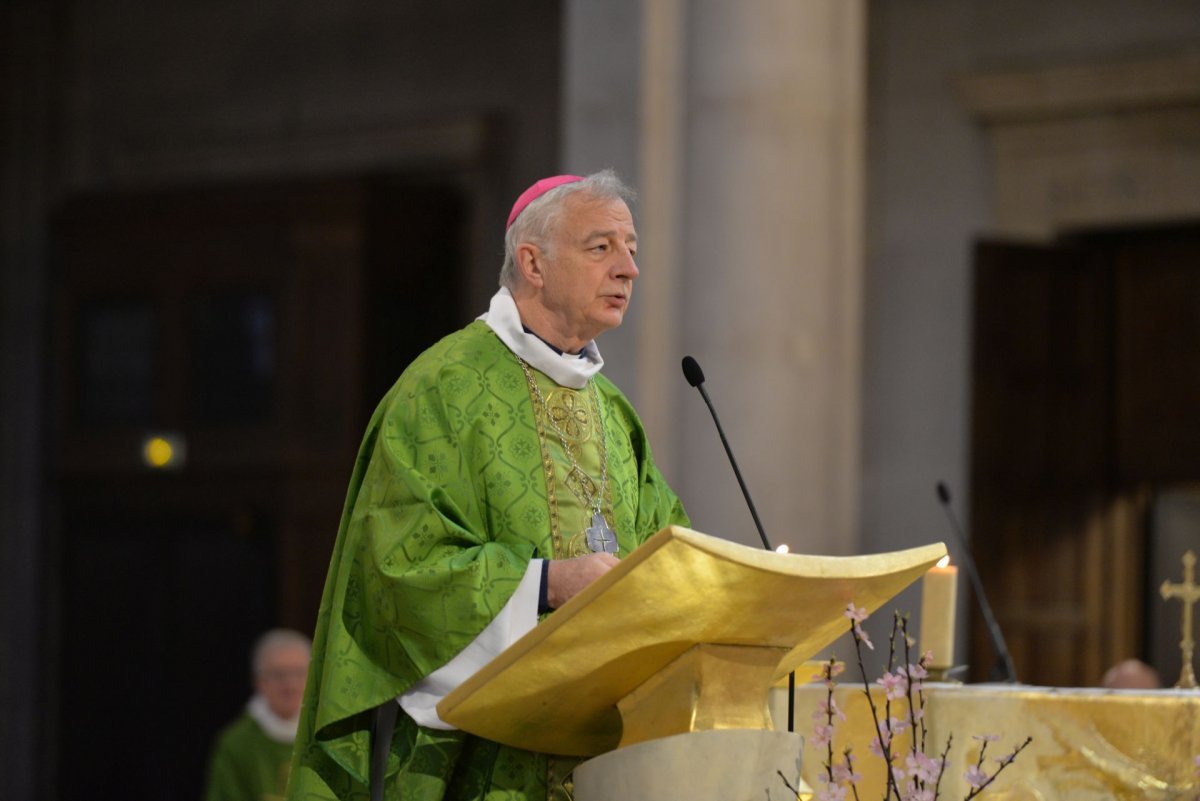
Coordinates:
column 682, row 640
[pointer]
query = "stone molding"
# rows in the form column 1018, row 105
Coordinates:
column 1091, row 146
column 1063, row 91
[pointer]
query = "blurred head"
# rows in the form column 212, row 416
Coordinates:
column 1132, row 674
column 280, row 666
column 569, row 257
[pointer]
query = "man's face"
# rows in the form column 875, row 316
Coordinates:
column 589, row 277
column 281, row 679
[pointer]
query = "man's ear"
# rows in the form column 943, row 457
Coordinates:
column 531, row 262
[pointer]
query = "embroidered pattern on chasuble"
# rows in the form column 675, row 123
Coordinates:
column 449, row 499
column 576, row 415
column 569, row 491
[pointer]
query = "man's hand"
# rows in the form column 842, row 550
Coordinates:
column 566, row 577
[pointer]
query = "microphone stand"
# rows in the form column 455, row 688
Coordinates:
column 741, row 482
column 1004, row 665
column 695, row 377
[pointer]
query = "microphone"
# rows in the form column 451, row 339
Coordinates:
column 695, row 377
column 1003, row 669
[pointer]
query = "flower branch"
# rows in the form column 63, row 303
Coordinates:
column 920, row 777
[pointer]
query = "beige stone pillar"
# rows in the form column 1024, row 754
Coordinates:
column 771, row 269
column 749, row 159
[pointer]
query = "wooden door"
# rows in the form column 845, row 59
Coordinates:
column 1056, row 547
column 1086, row 382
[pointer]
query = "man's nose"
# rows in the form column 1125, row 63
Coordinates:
column 627, row 264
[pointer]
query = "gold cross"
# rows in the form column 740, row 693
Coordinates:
column 1188, row 593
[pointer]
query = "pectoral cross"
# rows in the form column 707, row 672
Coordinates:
column 601, row 538
column 1188, row 593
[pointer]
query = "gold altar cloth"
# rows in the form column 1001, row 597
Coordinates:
column 1087, row 744
column 556, row 689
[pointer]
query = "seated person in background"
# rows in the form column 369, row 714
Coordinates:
column 251, row 756
column 1131, row 674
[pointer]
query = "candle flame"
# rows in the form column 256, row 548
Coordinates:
column 944, row 561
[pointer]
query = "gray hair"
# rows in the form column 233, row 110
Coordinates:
column 272, row 640
column 537, row 222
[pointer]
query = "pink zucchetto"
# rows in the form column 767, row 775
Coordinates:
column 537, row 190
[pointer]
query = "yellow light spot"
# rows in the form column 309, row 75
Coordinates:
column 944, row 561
column 782, row 549
column 158, row 452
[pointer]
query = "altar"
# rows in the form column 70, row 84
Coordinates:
column 1088, row 744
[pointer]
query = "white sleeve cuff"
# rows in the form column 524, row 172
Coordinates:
column 516, row 619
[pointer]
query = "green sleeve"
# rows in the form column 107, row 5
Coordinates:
column 419, row 568
column 433, row 571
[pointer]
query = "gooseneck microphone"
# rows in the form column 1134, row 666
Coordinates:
column 695, row 377
column 1003, row 668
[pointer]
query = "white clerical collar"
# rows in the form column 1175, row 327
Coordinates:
column 275, row 727
column 568, row 369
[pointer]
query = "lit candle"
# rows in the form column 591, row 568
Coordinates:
column 939, row 590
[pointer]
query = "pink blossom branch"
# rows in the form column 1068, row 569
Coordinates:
column 912, row 712
column 937, row 786
column 1004, row 763
column 850, row 771
column 885, row 749
column 787, row 784
column 982, row 751
column 891, row 664
column 829, row 717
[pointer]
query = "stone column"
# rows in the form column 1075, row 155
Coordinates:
column 749, row 156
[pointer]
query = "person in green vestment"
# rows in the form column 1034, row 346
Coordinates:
column 251, row 756
column 499, row 476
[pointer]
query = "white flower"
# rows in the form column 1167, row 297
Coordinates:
column 923, row 767
column 832, row 792
column 827, row 707
column 856, row 613
column 975, row 777
column 822, row 734
column 893, row 684
column 862, row 635
column 845, row 773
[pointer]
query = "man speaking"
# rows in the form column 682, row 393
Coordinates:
column 500, row 476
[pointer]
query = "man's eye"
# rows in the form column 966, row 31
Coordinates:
column 600, row 248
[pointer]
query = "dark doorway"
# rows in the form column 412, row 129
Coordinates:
column 254, row 327
column 1086, row 381
column 158, row 619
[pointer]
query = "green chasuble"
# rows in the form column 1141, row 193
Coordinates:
column 247, row 765
column 459, row 482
